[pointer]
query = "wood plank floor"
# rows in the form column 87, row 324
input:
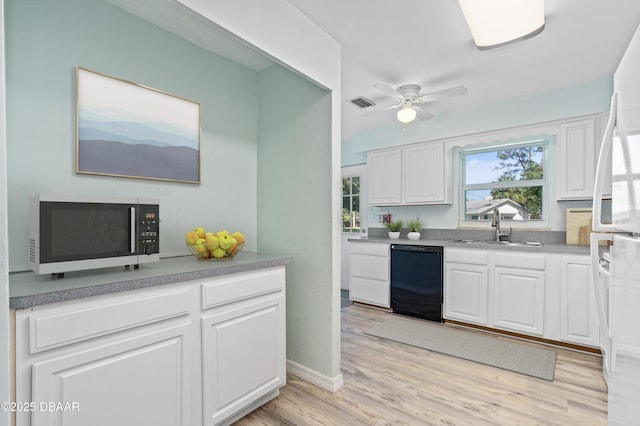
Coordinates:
column 388, row 383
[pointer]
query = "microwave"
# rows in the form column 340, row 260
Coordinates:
column 72, row 233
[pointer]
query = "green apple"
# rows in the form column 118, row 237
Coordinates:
column 192, row 237
column 225, row 241
column 218, row 253
column 200, row 231
column 200, row 246
column 211, row 241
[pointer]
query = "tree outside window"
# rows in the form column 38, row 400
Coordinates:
column 351, row 204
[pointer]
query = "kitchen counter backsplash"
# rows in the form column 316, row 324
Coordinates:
column 545, row 237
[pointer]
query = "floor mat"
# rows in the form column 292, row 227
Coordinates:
column 487, row 350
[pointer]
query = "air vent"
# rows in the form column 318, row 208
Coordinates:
column 361, row 102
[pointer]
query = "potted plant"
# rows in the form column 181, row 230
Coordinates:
column 414, row 227
column 394, row 229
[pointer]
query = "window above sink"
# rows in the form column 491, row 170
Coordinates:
column 508, row 177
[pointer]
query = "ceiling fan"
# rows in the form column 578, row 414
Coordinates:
column 410, row 100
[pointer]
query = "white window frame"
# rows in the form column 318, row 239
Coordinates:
column 544, row 182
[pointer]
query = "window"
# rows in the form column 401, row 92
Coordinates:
column 351, row 204
column 509, row 178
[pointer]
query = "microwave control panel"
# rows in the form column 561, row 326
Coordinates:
column 149, row 229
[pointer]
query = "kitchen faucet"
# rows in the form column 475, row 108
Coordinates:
column 495, row 223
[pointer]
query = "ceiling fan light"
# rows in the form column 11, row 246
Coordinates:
column 496, row 23
column 406, row 115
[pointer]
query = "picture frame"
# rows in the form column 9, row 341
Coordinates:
column 129, row 130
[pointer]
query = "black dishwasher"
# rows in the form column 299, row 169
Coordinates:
column 416, row 281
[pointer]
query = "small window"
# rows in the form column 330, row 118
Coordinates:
column 509, row 178
column 351, row 204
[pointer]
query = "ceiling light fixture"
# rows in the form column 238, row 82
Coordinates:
column 496, row 23
column 406, row 114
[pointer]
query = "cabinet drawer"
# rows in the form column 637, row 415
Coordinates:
column 369, row 291
column 473, row 256
column 54, row 327
column 373, row 267
column 231, row 288
column 519, row 260
column 370, row 249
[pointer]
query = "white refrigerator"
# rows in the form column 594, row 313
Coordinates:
column 616, row 267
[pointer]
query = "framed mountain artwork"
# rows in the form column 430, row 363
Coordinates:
column 129, row 130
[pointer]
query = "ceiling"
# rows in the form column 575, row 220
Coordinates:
column 427, row 42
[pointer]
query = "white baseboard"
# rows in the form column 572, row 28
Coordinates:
column 332, row 384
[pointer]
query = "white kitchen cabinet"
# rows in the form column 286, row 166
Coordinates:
column 201, row 352
column 578, row 315
column 369, row 273
column 112, row 357
column 243, row 344
column 466, row 285
column 519, row 292
column 415, row 174
column 576, row 160
column 425, row 171
column 384, row 169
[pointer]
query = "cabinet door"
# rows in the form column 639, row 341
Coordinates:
column 369, row 274
column 466, row 295
column 142, row 380
column 576, row 160
column 424, row 174
column 243, row 355
column 385, row 177
column 519, row 300
column 578, row 315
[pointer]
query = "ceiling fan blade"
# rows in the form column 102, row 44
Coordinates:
column 422, row 113
column 388, row 90
column 446, row 93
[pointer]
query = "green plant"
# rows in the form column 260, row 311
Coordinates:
column 394, row 226
column 414, row 225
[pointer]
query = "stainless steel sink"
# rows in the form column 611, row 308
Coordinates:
column 502, row 243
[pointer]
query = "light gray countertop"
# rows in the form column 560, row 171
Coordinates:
column 545, row 248
column 27, row 289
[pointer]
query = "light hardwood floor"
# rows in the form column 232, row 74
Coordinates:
column 388, row 383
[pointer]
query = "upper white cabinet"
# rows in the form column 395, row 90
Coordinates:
column 416, row 174
column 576, row 160
column 385, row 177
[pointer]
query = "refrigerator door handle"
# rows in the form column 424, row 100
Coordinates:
column 603, row 158
column 597, row 271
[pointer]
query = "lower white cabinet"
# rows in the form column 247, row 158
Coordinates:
column 578, row 316
column 546, row 295
column 369, row 276
column 495, row 288
column 466, row 285
column 243, row 356
column 519, row 300
column 202, row 352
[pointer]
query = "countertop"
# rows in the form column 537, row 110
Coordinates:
column 483, row 245
column 27, row 289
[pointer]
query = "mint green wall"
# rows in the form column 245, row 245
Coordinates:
column 46, row 39
column 294, row 155
column 571, row 101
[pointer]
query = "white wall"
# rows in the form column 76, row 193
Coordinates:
column 282, row 32
column 43, row 49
